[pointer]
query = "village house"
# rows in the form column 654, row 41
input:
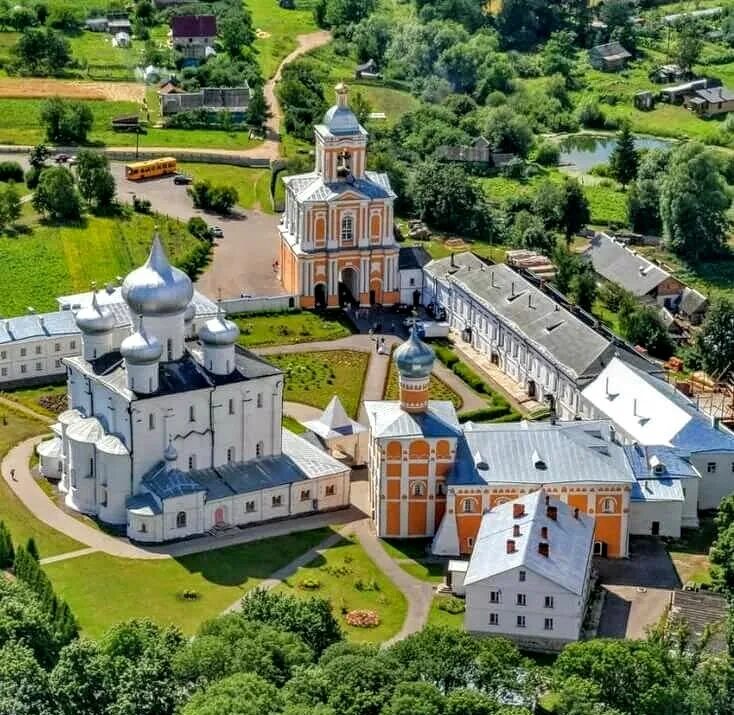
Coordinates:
column 234, row 100
column 692, row 306
column 191, row 35
column 528, row 578
column 648, row 411
column 617, row 263
column 609, row 57
column 411, row 261
column 711, row 102
column 547, row 350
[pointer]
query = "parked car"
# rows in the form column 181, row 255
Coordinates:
column 61, row 158
column 216, row 232
column 429, row 328
column 182, row 179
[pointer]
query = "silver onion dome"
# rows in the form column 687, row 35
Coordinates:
column 170, row 454
column 219, row 331
column 157, row 288
column 95, row 318
column 140, row 348
column 339, row 119
column 414, row 358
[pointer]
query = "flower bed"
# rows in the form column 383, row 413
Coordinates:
column 363, row 619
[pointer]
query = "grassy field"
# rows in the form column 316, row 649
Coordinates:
column 350, row 580
column 438, row 617
column 262, row 329
column 58, row 260
column 314, row 378
column 253, row 185
column 411, row 556
column 690, row 553
column 438, row 389
column 20, row 124
column 12, row 511
column 30, row 397
column 102, row 59
column 103, row 590
column 293, row 425
column 279, row 29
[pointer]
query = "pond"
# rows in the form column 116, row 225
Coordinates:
column 584, row 151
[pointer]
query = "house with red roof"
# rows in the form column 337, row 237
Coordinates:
column 191, row 35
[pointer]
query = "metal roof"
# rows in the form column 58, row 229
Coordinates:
column 412, row 257
column 569, row 543
column 143, row 505
column 665, row 489
column 312, row 187
column 194, row 26
column 653, row 412
column 539, row 453
column 168, row 483
column 692, row 302
column 670, row 462
column 334, row 422
column 617, row 263
column 389, row 419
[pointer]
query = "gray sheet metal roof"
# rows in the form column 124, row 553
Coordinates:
column 311, row 187
column 143, row 505
column 412, row 257
column 389, row 419
column 169, row 483
column 569, row 540
column 522, row 453
column 617, row 263
column 713, row 95
column 665, row 489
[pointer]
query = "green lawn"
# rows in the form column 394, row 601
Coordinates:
column 253, row 185
column 293, row 425
column 438, row 617
column 262, row 329
column 58, row 260
column 103, row 590
column 33, row 397
column 690, row 552
column 282, row 26
column 411, row 556
column 438, row 389
column 12, row 511
column 314, row 378
column 340, row 573
column 103, row 60
column 20, row 124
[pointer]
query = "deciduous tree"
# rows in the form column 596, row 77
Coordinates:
column 716, row 339
column 57, row 196
column 66, row 121
column 96, row 183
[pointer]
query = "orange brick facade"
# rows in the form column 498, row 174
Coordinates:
column 412, row 497
column 337, row 242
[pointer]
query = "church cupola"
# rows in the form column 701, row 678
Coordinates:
column 414, row 360
column 218, row 337
column 142, row 354
column 341, row 141
column 96, row 323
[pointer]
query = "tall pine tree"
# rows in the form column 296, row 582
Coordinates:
column 624, row 159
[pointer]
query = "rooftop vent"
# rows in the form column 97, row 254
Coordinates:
column 544, row 533
column 516, row 530
column 510, row 546
column 552, row 512
column 538, row 461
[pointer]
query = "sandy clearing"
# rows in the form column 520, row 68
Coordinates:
column 39, row 88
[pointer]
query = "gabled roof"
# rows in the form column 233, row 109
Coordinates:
column 569, row 542
column 692, row 302
column 389, row 419
column 312, row 187
column 194, row 26
column 611, row 51
column 538, row 453
column 553, row 331
column 653, row 412
column 617, row 263
column 412, row 257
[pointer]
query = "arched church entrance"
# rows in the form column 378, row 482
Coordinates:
column 220, row 516
column 319, row 293
column 375, row 291
column 349, row 287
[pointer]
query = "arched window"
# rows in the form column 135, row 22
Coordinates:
column 347, row 227
column 467, row 506
column 419, row 489
column 181, row 520
column 608, row 506
column 230, row 455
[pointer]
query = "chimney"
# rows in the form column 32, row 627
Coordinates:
column 510, row 546
column 518, row 511
column 634, row 407
column 516, row 530
column 544, row 548
column 576, row 513
column 491, row 279
column 552, row 512
column 530, row 300
column 512, row 288
column 453, row 260
column 544, row 532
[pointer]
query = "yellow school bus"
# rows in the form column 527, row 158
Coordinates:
column 150, row 169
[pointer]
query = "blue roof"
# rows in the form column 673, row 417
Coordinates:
column 143, row 505
column 170, row 483
column 700, row 436
column 664, row 489
column 675, row 461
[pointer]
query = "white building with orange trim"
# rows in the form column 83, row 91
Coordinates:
column 433, row 477
column 337, row 242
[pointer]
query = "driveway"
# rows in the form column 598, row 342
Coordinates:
column 637, row 589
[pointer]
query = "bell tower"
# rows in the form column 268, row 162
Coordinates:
column 341, row 142
column 414, row 360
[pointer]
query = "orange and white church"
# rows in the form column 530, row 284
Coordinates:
column 337, row 243
column 431, row 476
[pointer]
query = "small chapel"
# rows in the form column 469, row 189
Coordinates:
column 337, row 244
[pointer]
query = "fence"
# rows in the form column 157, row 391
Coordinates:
column 260, row 304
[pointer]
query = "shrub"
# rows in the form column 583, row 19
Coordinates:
column 446, row 355
column 366, row 584
column 452, row 605
column 32, row 177
column 309, row 584
column 548, row 153
column 197, row 227
column 468, row 376
column 141, row 206
column 11, row 171
column 484, row 414
column 220, row 199
column 590, row 114
column 190, row 595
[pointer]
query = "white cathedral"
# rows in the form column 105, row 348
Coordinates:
column 170, row 436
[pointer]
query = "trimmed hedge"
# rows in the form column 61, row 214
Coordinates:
column 446, row 355
column 469, row 377
column 484, row 414
column 11, row 171
column 512, row 417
